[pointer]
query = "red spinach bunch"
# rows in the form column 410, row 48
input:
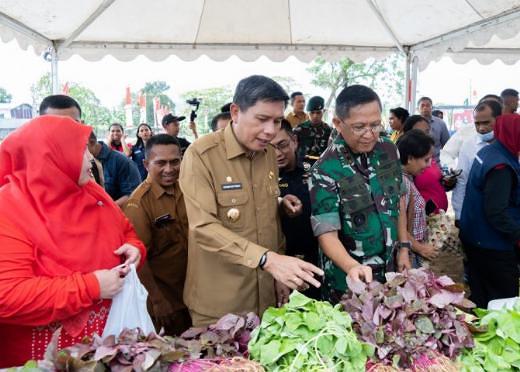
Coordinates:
column 413, row 313
column 134, row 351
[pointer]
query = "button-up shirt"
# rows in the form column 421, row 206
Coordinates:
column 467, row 153
column 296, row 119
column 440, row 134
column 231, row 198
column 160, row 220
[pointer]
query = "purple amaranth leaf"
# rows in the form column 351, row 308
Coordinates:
column 226, row 323
column 105, row 351
column 356, row 286
column 444, row 281
column 192, row 333
column 443, row 298
column 368, row 311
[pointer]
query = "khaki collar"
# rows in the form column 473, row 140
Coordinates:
column 158, row 190
column 233, row 147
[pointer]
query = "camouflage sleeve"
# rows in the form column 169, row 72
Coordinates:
column 324, row 202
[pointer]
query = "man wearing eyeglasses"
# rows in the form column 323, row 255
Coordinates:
column 293, row 180
column 355, row 192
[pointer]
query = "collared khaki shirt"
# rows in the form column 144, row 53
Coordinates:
column 297, row 119
column 232, row 204
column 160, row 220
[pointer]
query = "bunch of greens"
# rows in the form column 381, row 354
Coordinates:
column 132, row 350
column 308, row 335
column 411, row 314
column 497, row 342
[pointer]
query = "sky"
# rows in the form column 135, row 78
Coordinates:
column 444, row 81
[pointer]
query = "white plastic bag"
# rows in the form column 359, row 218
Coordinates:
column 129, row 308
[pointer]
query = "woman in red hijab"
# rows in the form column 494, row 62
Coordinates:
column 61, row 236
column 490, row 217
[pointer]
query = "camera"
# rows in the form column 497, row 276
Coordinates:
column 195, row 102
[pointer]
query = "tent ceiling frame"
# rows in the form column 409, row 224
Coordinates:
column 504, row 17
column 233, row 46
column 95, row 15
column 375, row 9
column 24, row 30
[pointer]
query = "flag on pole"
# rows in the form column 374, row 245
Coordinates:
column 142, row 107
column 128, row 108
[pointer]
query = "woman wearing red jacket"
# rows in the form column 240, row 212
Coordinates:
column 61, row 236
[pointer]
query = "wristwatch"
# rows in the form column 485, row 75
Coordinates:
column 407, row 245
column 263, row 260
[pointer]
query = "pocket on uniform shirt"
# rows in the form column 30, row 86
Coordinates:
column 232, row 208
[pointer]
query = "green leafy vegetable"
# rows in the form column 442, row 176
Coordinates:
column 308, row 335
column 498, row 347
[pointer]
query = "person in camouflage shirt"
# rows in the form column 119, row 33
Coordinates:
column 356, row 189
column 313, row 134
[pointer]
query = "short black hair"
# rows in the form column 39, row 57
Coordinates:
column 400, row 113
column 414, row 144
column 509, row 93
column 286, row 126
column 352, row 96
column 492, row 97
column 226, row 107
column 258, row 88
column 219, row 116
column 92, row 139
column 412, row 120
column 424, row 99
column 437, row 112
column 294, row 95
column 160, row 139
column 58, row 101
column 496, row 108
column 117, row 125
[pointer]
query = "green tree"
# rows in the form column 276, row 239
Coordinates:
column 92, row 111
column 288, row 83
column 212, row 99
column 156, row 89
column 385, row 76
column 5, row 97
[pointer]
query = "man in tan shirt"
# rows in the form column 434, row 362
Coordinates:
column 230, row 183
column 297, row 116
column 157, row 211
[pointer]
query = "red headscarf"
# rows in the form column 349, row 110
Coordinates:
column 507, row 132
column 73, row 228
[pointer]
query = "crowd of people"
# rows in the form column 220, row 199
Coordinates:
column 231, row 223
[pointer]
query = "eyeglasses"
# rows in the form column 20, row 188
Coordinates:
column 282, row 145
column 360, row 129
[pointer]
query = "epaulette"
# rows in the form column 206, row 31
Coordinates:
column 207, row 142
column 138, row 193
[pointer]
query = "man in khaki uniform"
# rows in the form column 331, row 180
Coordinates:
column 230, row 181
column 157, row 211
column 297, row 116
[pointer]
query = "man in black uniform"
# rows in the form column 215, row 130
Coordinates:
column 171, row 125
column 300, row 239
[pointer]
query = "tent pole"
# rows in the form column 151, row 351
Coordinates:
column 407, row 82
column 54, row 71
column 413, row 80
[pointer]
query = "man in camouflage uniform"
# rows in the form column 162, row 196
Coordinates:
column 355, row 195
column 313, row 134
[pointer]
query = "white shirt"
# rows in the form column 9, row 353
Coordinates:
column 468, row 150
column 450, row 151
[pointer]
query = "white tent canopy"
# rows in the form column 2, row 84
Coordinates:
column 424, row 30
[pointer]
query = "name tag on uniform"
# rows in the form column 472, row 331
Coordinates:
column 232, row 186
column 162, row 220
